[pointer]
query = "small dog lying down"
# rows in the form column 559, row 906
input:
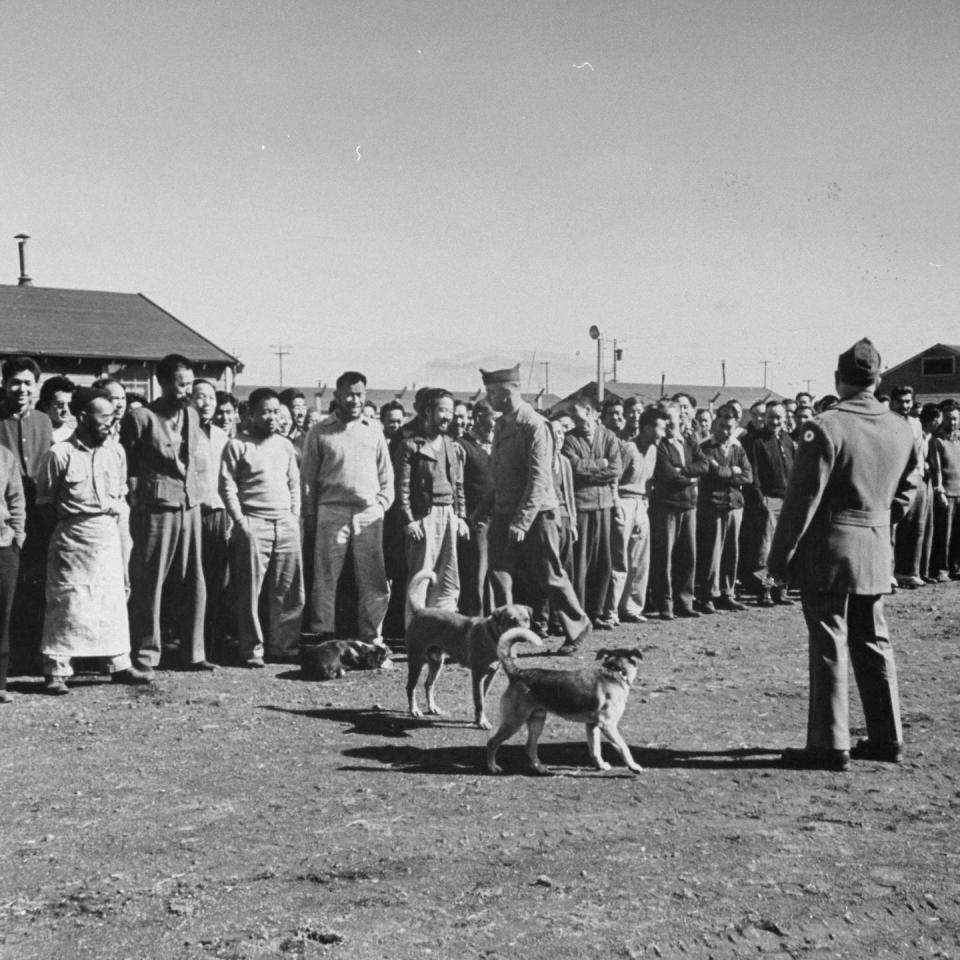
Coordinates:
column 594, row 696
column 435, row 636
column 332, row 658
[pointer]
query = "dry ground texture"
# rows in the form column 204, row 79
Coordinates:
column 251, row 814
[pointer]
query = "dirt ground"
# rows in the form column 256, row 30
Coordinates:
column 252, row 814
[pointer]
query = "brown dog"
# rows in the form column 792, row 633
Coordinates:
column 437, row 636
column 332, row 658
column 596, row 697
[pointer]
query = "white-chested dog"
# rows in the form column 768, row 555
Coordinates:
column 435, row 636
column 594, row 696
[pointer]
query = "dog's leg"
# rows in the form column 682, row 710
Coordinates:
column 593, row 745
column 435, row 661
column 414, row 669
column 508, row 727
column 611, row 732
column 535, row 723
column 481, row 683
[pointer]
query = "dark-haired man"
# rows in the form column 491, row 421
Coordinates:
column 27, row 434
column 82, row 482
column 168, row 464
column 260, row 486
column 347, row 485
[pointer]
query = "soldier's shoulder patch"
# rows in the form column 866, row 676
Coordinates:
column 808, row 435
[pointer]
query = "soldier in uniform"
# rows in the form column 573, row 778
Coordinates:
column 855, row 473
column 524, row 508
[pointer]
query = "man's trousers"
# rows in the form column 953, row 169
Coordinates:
column 718, row 546
column 9, row 566
column 166, row 554
column 266, row 554
column 472, row 560
column 339, row 526
column 436, row 552
column 221, row 605
column 631, row 559
column 850, row 627
column 673, row 551
column 592, row 562
column 539, row 554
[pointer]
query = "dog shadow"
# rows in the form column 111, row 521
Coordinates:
column 562, row 758
column 370, row 722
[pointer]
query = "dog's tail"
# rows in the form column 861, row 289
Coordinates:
column 508, row 639
column 415, row 582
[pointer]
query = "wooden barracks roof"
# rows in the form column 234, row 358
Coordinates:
column 47, row 321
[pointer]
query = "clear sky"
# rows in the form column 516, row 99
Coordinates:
column 379, row 185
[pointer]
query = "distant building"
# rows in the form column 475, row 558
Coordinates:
column 706, row 395
column 933, row 373
column 88, row 334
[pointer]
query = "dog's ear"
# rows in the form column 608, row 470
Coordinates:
column 497, row 616
column 529, row 612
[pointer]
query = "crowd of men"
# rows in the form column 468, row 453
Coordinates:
column 199, row 530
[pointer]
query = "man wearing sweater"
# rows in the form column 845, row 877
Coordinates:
column 771, row 459
column 720, row 514
column 260, row 486
column 594, row 454
column 945, row 462
column 347, row 483
column 673, row 520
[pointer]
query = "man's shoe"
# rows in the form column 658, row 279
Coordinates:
column 254, row 663
column 728, row 603
column 55, row 686
column 632, row 618
column 882, row 752
column 602, row 623
column 943, row 577
column 707, row 607
column 781, row 599
column 201, row 666
column 570, row 647
column 131, row 677
column 807, row 758
column 765, row 599
column 687, row 613
column 667, row 615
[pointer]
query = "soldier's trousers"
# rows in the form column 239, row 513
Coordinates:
column 849, row 628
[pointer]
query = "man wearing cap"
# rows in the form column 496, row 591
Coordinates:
column 855, row 473
column 80, row 487
column 523, row 506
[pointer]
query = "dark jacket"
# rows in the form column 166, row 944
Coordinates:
column 415, row 467
column 675, row 480
column 596, row 467
column 855, row 474
column 164, row 480
column 477, row 478
column 721, row 488
column 772, row 460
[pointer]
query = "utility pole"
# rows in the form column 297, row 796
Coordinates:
column 280, row 350
column 616, row 356
column 765, row 363
column 808, row 382
column 546, row 375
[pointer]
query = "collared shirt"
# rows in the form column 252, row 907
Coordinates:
column 346, row 463
column 83, row 481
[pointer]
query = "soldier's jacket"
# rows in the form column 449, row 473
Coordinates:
column 854, row 474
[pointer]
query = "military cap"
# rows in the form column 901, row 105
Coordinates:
column 860, row 365
column 511, row 375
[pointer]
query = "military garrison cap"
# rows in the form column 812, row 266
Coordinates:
column 860, row 365
column 511, row 375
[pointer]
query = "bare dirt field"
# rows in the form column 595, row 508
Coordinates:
column 251, row 814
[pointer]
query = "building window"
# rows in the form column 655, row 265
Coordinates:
column 137, row 386
column 938, row 366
